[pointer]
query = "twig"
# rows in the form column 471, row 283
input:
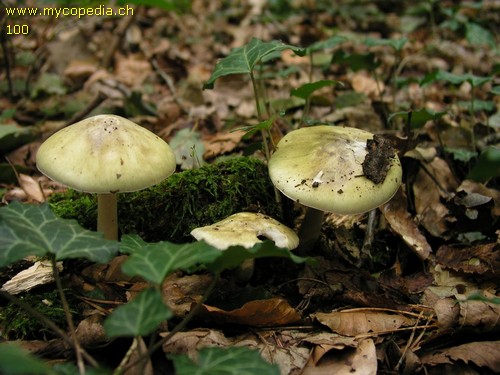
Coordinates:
column 369, row 236
column 6, row 55
column 69, row 318
column 96, row 102
column 170, row 84
column 120, row 31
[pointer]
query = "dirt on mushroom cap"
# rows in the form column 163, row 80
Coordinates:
column 321, row 167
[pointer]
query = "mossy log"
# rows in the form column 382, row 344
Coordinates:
column 184, row 201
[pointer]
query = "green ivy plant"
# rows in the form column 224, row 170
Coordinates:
column 245, row 60
column 34, row 230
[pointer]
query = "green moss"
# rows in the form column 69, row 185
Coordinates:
column 18, row 324
column 186, row 200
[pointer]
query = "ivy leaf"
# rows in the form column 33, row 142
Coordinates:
column 252, row 129
column 139, row 317
column 455, row 79
column 15, row 360
column 13, row 136
column 487, row 166
column 220, row 361
column 419, row 117
column 235, row 255
column 154, row 261
column 243, row 59
column 307, row 89
column 477, row 35
column 461, row 154
column 396, row 44
column 34, row 230
column 331, row 42
column 356, row 61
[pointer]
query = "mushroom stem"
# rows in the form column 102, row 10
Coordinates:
column 107, row 216
column 310, row 230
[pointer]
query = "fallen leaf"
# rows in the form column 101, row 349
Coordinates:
column 483, row 259
column 482, row 316
column 481, row 353
column 431, row 212
column 361, row 360
column 258, row 313
column 132, row 70
column 137, row 350
column 362, row 82
column 326, row 341
column 281, row 347
column 181, row 291
column 79, row 70
column 405, row 226
column 90, row 332
column 358, row 322
column 221, row 143
column 32, row 188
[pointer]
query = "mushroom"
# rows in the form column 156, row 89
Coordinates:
column 334, row 169
column 106, row 154
column 244, row 229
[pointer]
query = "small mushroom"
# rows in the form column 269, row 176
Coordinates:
column 322, row 168
column 106, row 154
column 244, row 229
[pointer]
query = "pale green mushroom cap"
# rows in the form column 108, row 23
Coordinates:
column 243, row 229
column 321, row 167
column 106, row 153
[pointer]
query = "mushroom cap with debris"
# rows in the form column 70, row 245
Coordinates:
column 322, row 167
column 244, row 229
column 106, row 154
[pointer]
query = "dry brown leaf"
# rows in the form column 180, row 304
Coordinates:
column 79, row 70
column 258, row 313
column 447, row 283
column 326, row 341
column 222, row 143
column 34, row 192
column 362, row 82
column 482, row 353
column 403, row 224
column 356, row 322
column 481, row 259
column 136, row 351
column 281, row 348
column 90, row 332
column 470, row 186
column 181, row 291
column 290, row 58
column 433, row 182
column 132, row 71
column 362, row 360
column 483, row 316
column 431, row 212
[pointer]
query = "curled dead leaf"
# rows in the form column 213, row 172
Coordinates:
column 482, row 353
column 403, row 224
column 362, row 360
column 357, row 322
column 258, row 313
column 221, row 143
column 482, row 316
